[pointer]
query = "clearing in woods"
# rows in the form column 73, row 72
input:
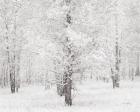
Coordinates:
column 90, row 96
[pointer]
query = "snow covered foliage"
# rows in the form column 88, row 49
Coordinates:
column 61, row 43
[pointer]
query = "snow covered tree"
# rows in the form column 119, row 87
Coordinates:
column 137, row 69
column 12, row 40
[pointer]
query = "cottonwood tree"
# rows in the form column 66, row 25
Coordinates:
column 133, row 31
column 66, row 60
column 69, row 58
column 12, row 39
column 114, row 11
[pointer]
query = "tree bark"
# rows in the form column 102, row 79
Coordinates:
column 117, row 52
column 67, row 89
column 12, row 79
column 69, row 70
column 137, row 66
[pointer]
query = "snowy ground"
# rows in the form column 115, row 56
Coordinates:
column 90, row 97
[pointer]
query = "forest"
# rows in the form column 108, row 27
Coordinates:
column 69, row 55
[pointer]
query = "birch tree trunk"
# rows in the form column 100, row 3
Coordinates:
column 116, row 77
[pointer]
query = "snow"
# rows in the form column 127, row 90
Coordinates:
column 91, row 96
